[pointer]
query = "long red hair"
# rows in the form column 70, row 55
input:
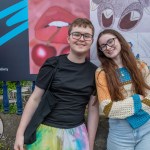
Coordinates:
column 129, row 61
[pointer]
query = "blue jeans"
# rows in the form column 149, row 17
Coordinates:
column 123, row 137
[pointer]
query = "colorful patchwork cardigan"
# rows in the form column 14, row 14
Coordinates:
column 134, row 108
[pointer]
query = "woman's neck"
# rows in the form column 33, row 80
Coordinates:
column 118, row 62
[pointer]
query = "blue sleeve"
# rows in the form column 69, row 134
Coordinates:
column 138, row 119
column 140, row 116
column 137, row 103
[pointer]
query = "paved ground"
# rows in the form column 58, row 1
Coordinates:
column 10, row 124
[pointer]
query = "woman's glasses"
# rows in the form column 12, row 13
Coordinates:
column 110, row 43
column 78, row 35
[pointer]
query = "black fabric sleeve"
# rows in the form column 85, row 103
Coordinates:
column 45, row 73
column 94, row 89
column 94, row 92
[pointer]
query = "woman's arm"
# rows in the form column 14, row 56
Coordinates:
column 146, row 74
column 115, row 109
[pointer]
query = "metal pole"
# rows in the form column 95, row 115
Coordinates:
column 5, row 98
column 33, row 85
column 19, row 98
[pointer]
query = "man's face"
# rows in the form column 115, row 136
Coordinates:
column 80, row 40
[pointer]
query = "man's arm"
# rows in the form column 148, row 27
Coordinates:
column 93, row 119
column 28, row 112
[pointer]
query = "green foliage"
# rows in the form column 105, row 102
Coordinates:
column 1, row 92
column 12, row 108
column 26, row 83
column 1, row 107
column 1, row 146
column 12, row 85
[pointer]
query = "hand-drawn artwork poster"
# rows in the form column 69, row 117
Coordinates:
column 130, row 17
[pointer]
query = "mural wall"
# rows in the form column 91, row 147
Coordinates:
column 32, row 31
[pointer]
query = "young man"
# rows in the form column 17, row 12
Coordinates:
column 73, row 86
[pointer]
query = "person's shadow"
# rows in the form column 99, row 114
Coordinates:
column 102, row 132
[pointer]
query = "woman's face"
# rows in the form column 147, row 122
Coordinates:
column 110, row 46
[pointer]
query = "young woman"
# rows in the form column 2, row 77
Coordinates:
column 123, row 86
column 73, row 86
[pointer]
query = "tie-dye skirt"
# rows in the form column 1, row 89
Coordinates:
column 50, row 138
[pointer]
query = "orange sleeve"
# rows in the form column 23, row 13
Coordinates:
column 101, row 84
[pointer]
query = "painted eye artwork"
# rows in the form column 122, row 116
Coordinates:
column 127, row 13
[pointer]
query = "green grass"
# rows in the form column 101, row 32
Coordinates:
column 1, row 146
column 12, row 85
column 12, row 108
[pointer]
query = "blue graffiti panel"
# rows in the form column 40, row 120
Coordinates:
column 14, row 45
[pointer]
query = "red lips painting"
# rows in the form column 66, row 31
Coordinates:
column 48, row 28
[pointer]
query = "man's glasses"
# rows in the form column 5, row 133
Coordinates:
column 110, row 43
column 78, row 35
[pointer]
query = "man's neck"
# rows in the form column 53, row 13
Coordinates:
column 76, row 58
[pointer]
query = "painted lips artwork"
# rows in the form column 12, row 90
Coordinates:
column 48, row 29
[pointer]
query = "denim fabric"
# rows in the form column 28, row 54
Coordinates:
column 123, row 137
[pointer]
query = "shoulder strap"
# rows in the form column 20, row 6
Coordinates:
column 53, row 73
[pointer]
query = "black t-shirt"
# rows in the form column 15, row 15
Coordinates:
column 72, row 86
